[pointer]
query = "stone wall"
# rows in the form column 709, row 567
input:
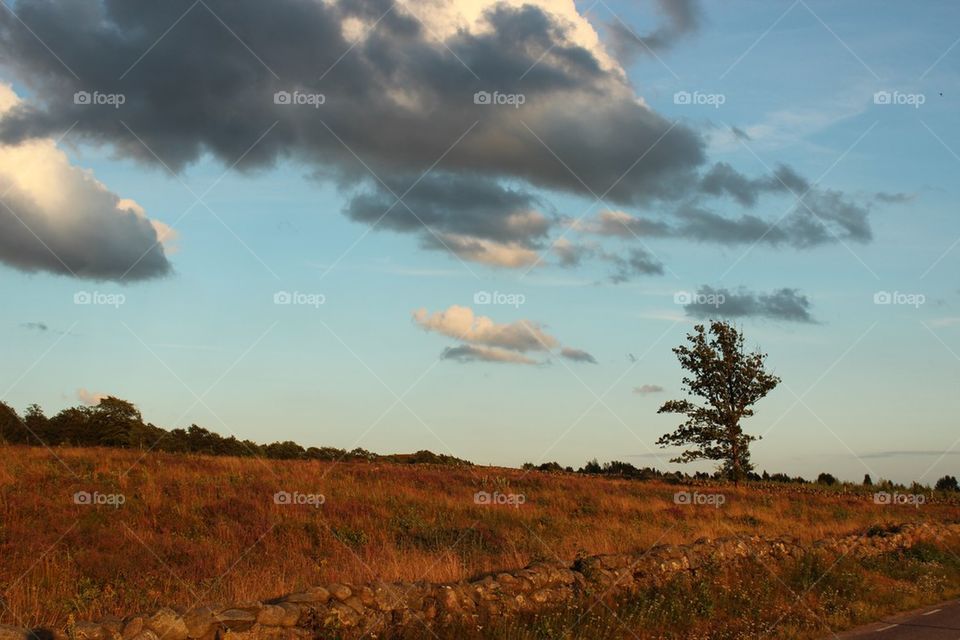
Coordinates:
column 541, row 586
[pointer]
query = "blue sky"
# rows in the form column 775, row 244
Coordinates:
column 866, row 387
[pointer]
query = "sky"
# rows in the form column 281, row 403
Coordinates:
column 480, row 229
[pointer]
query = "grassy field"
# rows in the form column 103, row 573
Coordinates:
column 195, row 529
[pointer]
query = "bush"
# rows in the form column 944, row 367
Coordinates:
column 827, row 479
column 947, row 483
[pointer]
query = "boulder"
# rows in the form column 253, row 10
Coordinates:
column 236, row 619
column 340, row 591
column 285, row 614
column 167, row 624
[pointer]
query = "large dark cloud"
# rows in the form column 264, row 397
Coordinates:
column 398, row 100
column 200, row 78
column 781, row 304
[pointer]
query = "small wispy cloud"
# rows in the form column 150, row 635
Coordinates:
column 90, row 398
column 577, row 355
column 647, row 389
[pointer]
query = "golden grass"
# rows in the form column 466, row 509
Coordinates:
column 204, row 529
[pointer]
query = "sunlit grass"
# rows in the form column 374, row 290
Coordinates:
column 199, row 529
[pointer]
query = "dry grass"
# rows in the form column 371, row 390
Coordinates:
column 201, row 529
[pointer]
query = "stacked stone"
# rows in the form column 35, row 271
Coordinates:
column 541, row 586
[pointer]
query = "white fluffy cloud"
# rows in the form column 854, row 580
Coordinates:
column 56, row 217
column 462, row 324
column 90, row 398
column 488, row 341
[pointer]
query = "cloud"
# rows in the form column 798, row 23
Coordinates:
column 399, row 106
column 820, row 216
column 495, row 254
column 475, row 218
column 894, row 198
column 622, row 224
column 398, row 119
column 647, row 389
column 461, row 323
column 473, row 353
column 37, row 326
column 57, row 218
column 570, row 254
column 637, row 262
column 681, row 17
column 577, row 355
column 781, row 304
column 488, row 341
column 722, row 179
column 89, row 398
column 906, row 454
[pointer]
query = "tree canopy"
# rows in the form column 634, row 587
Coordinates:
column 723, row 383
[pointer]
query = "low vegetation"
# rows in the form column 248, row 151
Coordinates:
column 92, row 532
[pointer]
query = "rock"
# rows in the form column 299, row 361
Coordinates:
column 133, row 627
column 168, row 625
column 340, row 591
column 89, row 631
column 199, row 621
column 356, row 604
column 367, row 596
column 448, row 598
column 146, row 634
column 540, row 597
column 342, row 616
column 236, row 619
column 313, row 594
column 285, row 614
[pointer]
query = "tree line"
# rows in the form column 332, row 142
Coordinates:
column 118, row 423
column 620, row 469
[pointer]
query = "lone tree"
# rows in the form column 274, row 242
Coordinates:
column 728, row 381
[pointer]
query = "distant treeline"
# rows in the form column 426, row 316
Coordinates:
column 118, row 423
column 627, row 470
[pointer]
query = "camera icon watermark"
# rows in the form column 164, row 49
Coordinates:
column 684, row 298
column 715, row 500
column 298, row 298
column 514, row 300
column 899, row 499
column 95, row 98
column 100, row 298
column 496, row 498
column 697, row 98
column 299, row 98
column 315, row 500
column 95, row 498
column 514, row 100
column 915, row 100
column 914, row 300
